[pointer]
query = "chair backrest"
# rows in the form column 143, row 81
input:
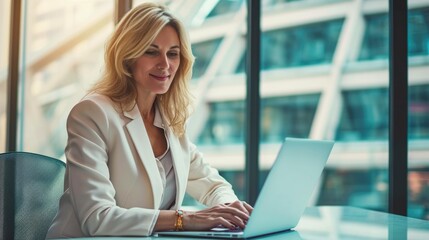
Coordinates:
column 35, row 184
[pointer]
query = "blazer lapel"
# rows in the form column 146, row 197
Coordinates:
column 141, row 141
column 180, row 169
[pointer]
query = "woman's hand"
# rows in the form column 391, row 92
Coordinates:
column 231, row 215
column 242, row 205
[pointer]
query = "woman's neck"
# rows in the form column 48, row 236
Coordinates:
column 147, row 107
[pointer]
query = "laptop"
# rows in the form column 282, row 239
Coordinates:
column 285, row 193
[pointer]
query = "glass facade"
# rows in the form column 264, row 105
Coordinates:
column 311, row 44
column 300, row 46
column 203, row 52
column 287, row 116
column 364, row 116
column 281, row 116
column 225, row 124
column 418, row 112
column 376, row 41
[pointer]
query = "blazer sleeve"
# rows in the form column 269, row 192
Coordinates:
column 205, row 184
column 92, row 193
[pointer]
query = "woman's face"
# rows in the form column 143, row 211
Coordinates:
column 155, row 69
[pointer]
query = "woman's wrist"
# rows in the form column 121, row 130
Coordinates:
column 178, row 225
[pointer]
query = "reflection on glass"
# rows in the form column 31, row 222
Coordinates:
column 63, row 55
column 4, row 53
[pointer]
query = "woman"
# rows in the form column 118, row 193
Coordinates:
column 129, row 162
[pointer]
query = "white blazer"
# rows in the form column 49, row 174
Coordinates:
column 112, row 183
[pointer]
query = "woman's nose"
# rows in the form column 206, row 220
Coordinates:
column 163, row 62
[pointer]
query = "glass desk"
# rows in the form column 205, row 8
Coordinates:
column 335, row 222
column 356, row 223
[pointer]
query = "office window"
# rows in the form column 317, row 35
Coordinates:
column 418, row 112
column 364, row 115
column 225, row 124
column 365, row 188
column 280, row 117
column 376, row 40
column 290, row 116
column 418, row 32
column 311, row 44
column 203, row 53
column 225, row 7
column 64, row 45
column 365, row 118
column 4, row 53
column 300, row 46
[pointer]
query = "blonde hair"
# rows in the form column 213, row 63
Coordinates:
column 132, row 37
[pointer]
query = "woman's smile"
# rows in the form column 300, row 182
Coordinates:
column 160, row 77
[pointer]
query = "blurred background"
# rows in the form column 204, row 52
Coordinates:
column 324, row 74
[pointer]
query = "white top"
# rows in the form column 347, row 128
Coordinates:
column 166, row 170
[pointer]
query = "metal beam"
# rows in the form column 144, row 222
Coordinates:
column 121, row 8
column 11, row 120
column 253, row 100
column 13, row 76
column 398, row 105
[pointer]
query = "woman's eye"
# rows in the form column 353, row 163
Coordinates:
column 151, row 53
column 173, row 54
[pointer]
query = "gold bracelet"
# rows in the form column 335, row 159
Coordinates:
column 178, row 226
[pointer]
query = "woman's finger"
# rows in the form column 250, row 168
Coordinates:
column 242, row 206
column 248, row 207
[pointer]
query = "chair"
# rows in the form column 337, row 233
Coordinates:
column 30, row 188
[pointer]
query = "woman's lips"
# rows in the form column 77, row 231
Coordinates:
column 161, row 78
